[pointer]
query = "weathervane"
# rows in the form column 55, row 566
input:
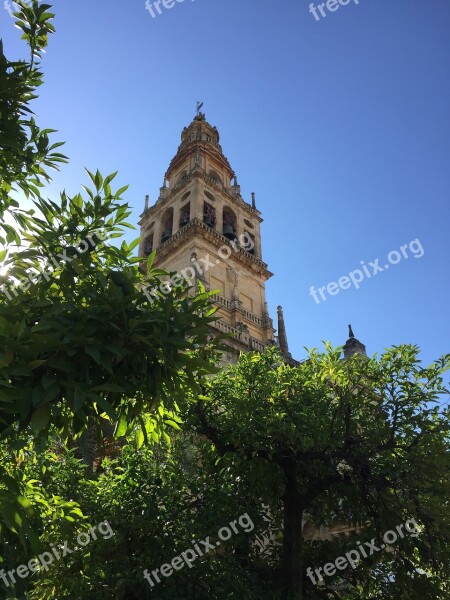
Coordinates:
column 199, row 105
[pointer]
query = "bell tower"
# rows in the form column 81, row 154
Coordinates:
column 201, row 225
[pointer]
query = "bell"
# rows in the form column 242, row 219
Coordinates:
column 165, row 236
column 148, row 249
column 228, row 231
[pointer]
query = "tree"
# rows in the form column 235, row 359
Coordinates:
column 79, row 339
column 26, row 152
column 362, row 442
column 80, row 343
column 159, row 501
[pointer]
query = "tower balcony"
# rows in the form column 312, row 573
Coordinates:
column 225, row 303
column 240, row 336
column 214, row 236
column 166, row 236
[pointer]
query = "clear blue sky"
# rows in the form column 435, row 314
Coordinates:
column 340, row 126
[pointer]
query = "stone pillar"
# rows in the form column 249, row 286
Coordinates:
column 176, row 216
column 197, row 200
column 158, row 232
column 258, row 248
column 218, row 205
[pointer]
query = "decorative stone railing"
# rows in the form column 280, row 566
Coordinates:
column 222, row 301
column 252, row 317
column 243, row 337
column 217, row 235
column 219, row 299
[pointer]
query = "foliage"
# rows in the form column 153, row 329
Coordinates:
column 26, row 152
column 159, row 500
column 84, row 341
column 359, row 442
column 80, row 338
column 80, row 343
column 29, row 512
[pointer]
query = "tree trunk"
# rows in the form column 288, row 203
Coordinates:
column 292, row 536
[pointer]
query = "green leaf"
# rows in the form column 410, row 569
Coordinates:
column 121, row 426
column 150, row 260
column 98, row 180
column 34, row 364
column 133, row 244
column 139, row 437
column 40, row 418
column 94, row 352
column 107, row 407
column 79, row 398
column 6, row 358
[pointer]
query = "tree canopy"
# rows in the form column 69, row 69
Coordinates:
column 358, row 442
column 359, row 445
column 80, row 344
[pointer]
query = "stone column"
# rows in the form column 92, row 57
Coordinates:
column 176, row 216
column 218, row 205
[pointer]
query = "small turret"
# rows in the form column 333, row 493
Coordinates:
column 352, row 345
column 282, row 337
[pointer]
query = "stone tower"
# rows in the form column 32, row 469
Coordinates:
column 200, row 221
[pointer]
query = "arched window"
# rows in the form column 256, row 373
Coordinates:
column 215, row 178
column 185, row 214
column 148, row 245
column 249, row 245
column 182, row 177
column 209, row 214
column 229, row 223
column 167, row 222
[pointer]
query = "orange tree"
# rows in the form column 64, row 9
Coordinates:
column 362, row 443
column 358, row 442
column 80, row 344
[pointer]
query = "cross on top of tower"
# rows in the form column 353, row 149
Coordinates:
column 199, row 105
